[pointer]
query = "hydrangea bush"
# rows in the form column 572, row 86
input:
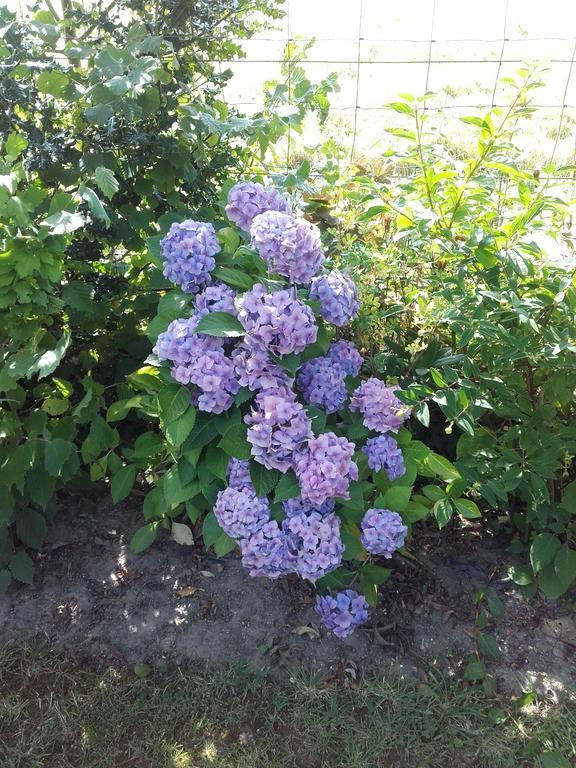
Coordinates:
column 279, row 442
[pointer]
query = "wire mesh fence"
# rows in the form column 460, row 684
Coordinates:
column 460, row 51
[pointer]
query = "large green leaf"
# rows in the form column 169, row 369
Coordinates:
column 106, row 181
column 220, row 324
column 122, row 482
column 543, row 550
column 264, row 480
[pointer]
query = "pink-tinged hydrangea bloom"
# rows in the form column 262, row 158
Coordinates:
column 347, row 356
column 277, row 428
column 381, row 409
column 188, row 252
column 264, row 552
column 337, row 295
column 215, row 298
column 383, row 532
column 343, row 612
column 298, row 506
column 313, row 540
column 291, row 247
column 249, row 199
column 240, row 513
column 279, row 321
column 239, row 476
column 322, row 383
column 383, row 453
column 325, row 468
column 256, row 370
column 213, row 373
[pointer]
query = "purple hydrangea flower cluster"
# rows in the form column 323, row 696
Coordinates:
column 277, row 321
column 277, row 428
column 383, row 532
column 342, row 613
column 215, row 298
column 337, row 295
column 239, row 476
column 180, row 343
column 213, row 373
column 188, row 252
column 325, row 468
column 313, row 541
column 264, row 552
column 256, row 370
column 298, row 506
column 291, row 247
column 383, row 453
column 240, row 513
column 249, row 199
column 381, row 409
column 347, row 356
column 322, row 383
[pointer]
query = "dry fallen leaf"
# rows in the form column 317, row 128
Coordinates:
column 182, row 534
column 207, row 574
column 187, row 591
column 310, row 632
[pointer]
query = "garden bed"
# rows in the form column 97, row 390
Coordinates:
column 94, row 598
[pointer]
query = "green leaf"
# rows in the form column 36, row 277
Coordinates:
column 56, row 454
column 15, row 144
column 467, row 509
column 211, row 530
column 441, row 467
column 495, row 606
column 287, row 488
column 350, row 535
column 488, row 647
column 550, row 583
column 52, row 82
column 180, row 429
column 543, row 550
column 144, row 537
column 223, row 545
column 122, row 482
column 5, row 579
column 375, row 574
column 63, row 222
column 173, row 401
column 204, row 431
column 264, row 480
column 396, row 499
column 106, row 181
column 565, row 566
column 220, row 324
column 443, row 510
column 554, row 760
column 31, row 527
column 22, row 568
column 234, row 442
column 475, row 670
column 50, row 360
column 521, row 575
column 94, row 204
column 234, row 277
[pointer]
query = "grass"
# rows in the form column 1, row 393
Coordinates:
column 55, row 712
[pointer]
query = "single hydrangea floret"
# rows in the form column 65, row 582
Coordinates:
column 188, row 252
column 337, row 295
column 277, row 428
column 325, row 468
column 383, row 453
column 264, row 552
column 278, row 322
column 343, row 612
column 382, row 411
column 249, row 199
column 383, row 532
column 240, row 513
column 291, row 247
column 313, row 540
column 322, row 383
column 347, row 356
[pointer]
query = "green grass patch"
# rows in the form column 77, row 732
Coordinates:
column 55, row 712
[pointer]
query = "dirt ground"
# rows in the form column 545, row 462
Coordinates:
column 94, row 598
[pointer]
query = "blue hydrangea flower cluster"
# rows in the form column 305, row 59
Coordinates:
column 277, row 428
column 264, row 552
column 188, row 252
column 278, row 321
column 298, row 506
column 240, row 513
column 343, row 612
column 347, row 356
column 213, row 373
column 383, row 453
column 215, row 298
column 325, row 468
column 180, row 344
column 383, row 532
column 291, row 247
column 249, row 199
column 382, row 411
column 239, row 475
column 322, row 383
column 337, row 295
column 256, row 370
column 313, row 541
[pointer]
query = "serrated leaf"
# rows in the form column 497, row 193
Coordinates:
column 56, row 454
column 211, row 530
column 94, row 204
column 234, row 278
column 442, row 467
column 173, row 401
column 467, row 509
column 220, row 324
column 22, row 568
column 488, row 647
column 179, row 430
column 475, row 670
column 223, row 545
column 234, row 442
column 554, row 760
column 565, row 566
column 144, row 538
column 264, row 480
column 443, row 511
column 287, row 488
column 106, row 181
column 122, row 482
column 543, row 550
